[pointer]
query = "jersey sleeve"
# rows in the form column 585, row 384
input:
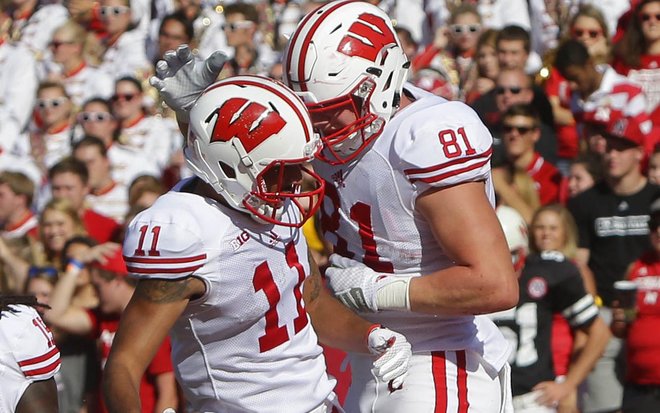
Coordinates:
column 164, row 243
column 569, row 295
column 447, row 144
column 36, row 353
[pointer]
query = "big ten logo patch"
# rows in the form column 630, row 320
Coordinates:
column 240, row 240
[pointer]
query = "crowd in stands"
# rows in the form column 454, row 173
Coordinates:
column 570, row 90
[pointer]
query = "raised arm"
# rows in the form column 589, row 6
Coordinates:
column 153, row 309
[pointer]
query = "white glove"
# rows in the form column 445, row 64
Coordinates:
column 181, row 80
column 394, row 355
column 362, row 289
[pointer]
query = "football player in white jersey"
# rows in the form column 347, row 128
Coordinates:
column 29, row 358
column 223, row 266
column 409, row 210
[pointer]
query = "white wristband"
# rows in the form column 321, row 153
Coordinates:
column 394, row 295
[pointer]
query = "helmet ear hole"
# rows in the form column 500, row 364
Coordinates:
column 227, row 170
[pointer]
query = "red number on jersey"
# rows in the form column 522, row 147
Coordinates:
column 361, row 213
column 330, row 223
column 39, row 323
column 275, row 334
column 450, row 143
column 153, row 250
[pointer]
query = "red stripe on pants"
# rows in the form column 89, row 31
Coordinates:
column 461, row 380
column 439, row 372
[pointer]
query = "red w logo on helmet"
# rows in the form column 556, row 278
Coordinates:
column 366, row 37
column 247, row 121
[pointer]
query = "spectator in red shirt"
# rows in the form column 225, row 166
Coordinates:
column 109, row 277
column 520, row 127
column 641, row 392
column 69, row 179
column 16, row 218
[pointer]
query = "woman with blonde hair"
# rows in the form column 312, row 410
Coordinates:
column 69, row 65
column 58, row 223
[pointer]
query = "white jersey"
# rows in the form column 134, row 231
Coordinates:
column 430, row 143
column 27, row 354
column 127, row 56
column 247, row 345
column 128, row 164
column 151, row 137
column 18, row 88
column 82, row 83
column 111, row 201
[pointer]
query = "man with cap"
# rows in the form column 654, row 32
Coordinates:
column 115, row 289
column 612, row 222
column 641, row 391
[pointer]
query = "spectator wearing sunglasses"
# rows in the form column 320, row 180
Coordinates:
column 96, row 120
column 589, row 27
column 106, row 196
column 520, row 132
column 514, row 86
column 637, row 55
column 52, row 127
column 249, row 53
column 68, row 65
column 125, row 52
column 455, row 61
column 149, row 136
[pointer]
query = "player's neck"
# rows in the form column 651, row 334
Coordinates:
column 201, row 188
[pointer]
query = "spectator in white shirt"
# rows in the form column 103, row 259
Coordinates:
column 106, row 196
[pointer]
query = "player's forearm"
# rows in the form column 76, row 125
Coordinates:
column 335, row 324
column 462, row 290
column 121, row 388
column 597, row 337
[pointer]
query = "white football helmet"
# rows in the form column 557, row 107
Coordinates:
column 248, row 135
column 515, row 232
column 346, row 62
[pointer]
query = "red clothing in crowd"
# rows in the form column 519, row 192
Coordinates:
column 99, row 227
column 643, row 340
column 104, row 328
column 567, row 135
column 547, row 178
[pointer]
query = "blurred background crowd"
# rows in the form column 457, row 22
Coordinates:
column 570, row 90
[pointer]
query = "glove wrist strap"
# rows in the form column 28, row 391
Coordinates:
column 394, row 295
